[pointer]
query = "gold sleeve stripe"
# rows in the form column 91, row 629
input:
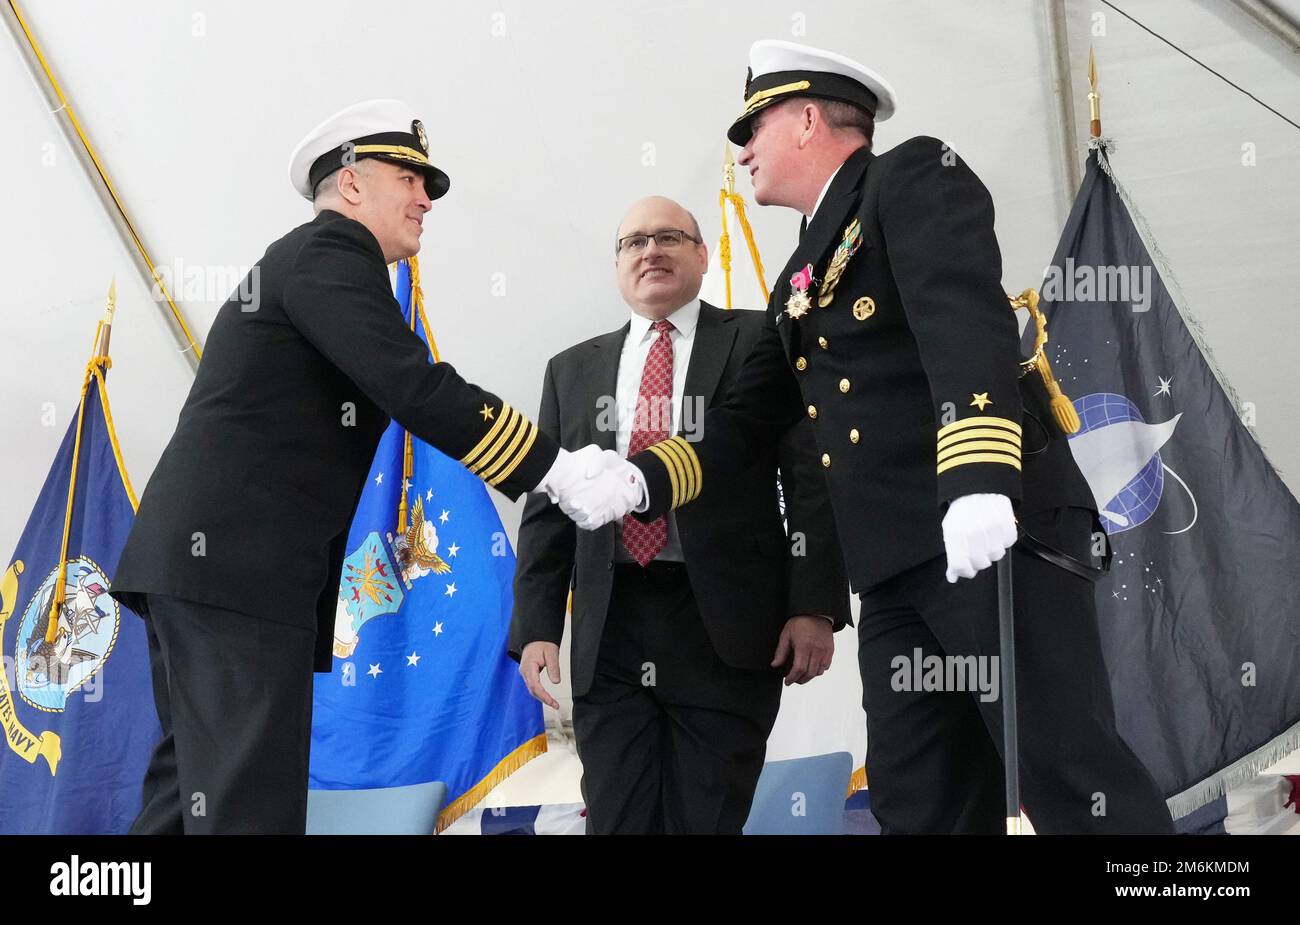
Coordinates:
column 682, row 479
column 674, row 475
column 690, row 466
column 972, row 445
column 493, row 450
column 470, row 459
column 979, row 433
column 978, row 458
column 519, row 456
column 489, row 456
column 697, row 473
column 508, row 452
column 979, row 421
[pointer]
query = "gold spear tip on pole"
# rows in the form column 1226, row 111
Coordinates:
column 106, row 326
column 728, row 169
column 1094, row 96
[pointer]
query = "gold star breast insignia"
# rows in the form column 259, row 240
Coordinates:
column 980, row 399
column 486, row 412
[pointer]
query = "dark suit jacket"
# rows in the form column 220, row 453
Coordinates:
column 908, row 375
column 738, row 557
column 249, row 506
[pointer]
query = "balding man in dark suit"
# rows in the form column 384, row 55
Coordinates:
column 680, row 625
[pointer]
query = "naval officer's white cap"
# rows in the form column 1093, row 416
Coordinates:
column 384, row 129
column 780, row 70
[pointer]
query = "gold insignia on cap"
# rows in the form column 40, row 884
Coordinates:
column 417, row 129
column 762, row 97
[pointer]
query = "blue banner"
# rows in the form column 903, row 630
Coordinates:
column 422, row 688
column 76, row 701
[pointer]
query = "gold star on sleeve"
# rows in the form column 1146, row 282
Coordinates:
column 486, row 412
column 980, row 399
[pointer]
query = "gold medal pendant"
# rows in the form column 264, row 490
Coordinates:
column 798, row 304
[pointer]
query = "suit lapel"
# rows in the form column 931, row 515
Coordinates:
column 602, row 387
column 715, row 333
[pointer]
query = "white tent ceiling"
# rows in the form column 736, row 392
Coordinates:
column 552, row 117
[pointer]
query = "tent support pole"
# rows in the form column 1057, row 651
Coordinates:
column 1274, row 20
column 1067, row 133
column 43, row 74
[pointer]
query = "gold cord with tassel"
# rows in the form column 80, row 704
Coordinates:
column 728, row 194
column 95, row 369
column 1067, row 419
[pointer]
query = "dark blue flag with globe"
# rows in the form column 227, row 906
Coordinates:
column 1200, row 613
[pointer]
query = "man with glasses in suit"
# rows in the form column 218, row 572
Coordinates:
column 684, row 626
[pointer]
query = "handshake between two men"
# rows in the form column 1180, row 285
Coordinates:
column 594, row 487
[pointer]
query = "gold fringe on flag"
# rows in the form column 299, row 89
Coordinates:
column 505, row 767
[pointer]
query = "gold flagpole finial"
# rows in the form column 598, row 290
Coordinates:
column 1094, row 97
column 728, row 169
column 106, row 325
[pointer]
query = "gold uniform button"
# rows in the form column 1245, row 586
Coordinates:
column 826, row 460
column 821, row 342
column 812, row 412
column 854, row 436
column 844, row 385
column 801, row 364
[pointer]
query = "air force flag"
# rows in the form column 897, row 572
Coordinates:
column 1200, row 613
column 422, row 688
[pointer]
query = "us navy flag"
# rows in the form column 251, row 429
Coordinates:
column 76, row 702
column 1200, row 613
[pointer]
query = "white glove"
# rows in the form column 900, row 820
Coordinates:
column 617, row 490
column 569, row 469
column 977, row 531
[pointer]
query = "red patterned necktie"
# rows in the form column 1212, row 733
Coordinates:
column 650, row 424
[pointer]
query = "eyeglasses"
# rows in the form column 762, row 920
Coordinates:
column 666, row 239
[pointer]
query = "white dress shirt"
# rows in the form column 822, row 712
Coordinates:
column 631, row 364
column 818, row 204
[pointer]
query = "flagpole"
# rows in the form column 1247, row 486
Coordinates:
column 79, row 140
column 1094, row 97
column 1010, row 728
column 106, row 326
column 98, row 358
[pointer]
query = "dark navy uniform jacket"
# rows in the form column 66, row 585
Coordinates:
column 906, row 362
column 250, row 504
